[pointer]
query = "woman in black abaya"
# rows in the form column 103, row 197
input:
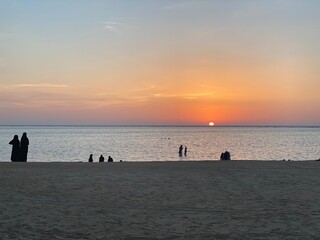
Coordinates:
column 15, row 148
column 24, row 147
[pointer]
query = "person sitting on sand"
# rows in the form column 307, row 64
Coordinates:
column 225, row 156
column 110, row 159
column 15, row 148
column 90, row 158
column 101, row 159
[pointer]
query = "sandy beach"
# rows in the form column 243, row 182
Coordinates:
column 160, row 200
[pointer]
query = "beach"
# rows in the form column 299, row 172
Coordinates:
column 160, row 200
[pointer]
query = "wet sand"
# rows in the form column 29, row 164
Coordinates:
column 160, row 200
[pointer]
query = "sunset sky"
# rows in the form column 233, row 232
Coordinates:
column 231, row 62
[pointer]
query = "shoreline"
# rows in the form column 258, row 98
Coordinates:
column 165, row 161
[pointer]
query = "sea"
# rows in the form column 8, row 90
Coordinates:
column 161, row 143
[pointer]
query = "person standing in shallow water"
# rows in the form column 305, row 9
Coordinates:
column 24, row 145
column 180, row 150
column 15, row 148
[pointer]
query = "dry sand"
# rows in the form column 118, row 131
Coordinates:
column 160, row 200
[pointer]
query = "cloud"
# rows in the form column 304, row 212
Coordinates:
column 59, row 96
column 180, row 5
column 111, row 28
column 115, row 26
column 30, row 85
column 201, row 95
column 188, row 96
column 143, row 89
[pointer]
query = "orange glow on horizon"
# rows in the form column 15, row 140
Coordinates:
column 176, row 65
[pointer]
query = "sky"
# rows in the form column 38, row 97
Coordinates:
column 181, row 62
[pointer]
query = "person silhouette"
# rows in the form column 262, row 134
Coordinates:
column 24, row 147
column 225, row 156
column 185, row 150
column 101, row 159
column 90, row 158
column 15, row 148
column 110, row 159
column 180, row 150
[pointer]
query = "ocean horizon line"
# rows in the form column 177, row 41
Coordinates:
column 159, row 125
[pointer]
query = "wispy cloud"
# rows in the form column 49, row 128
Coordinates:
column 115, row 26
column 143, row 89
column 59, row 96
column 201, row 95
column 30, row 85
column 34, row 95
column 180, row 5
column 188, row 96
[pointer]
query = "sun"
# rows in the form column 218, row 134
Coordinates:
column 211, row 124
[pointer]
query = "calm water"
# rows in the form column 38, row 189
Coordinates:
column 76, row 143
